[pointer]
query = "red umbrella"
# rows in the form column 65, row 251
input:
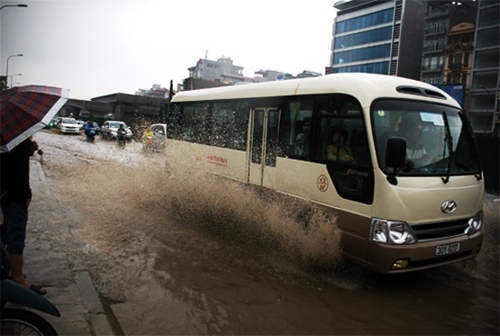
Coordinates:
column 24, row 110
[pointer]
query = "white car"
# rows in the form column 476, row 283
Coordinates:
column 81, row 123
column 69, row 125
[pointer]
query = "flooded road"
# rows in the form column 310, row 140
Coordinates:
column 177, row 252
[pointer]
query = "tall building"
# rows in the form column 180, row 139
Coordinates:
column 483, row 108
column 378, row 36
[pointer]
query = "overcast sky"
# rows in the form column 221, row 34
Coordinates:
column 99, row 47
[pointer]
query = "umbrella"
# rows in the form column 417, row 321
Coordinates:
column 24, row 110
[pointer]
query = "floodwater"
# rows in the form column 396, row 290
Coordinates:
column 177, row 252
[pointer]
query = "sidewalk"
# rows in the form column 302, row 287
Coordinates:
column 69, row 286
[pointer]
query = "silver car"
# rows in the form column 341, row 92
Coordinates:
column 109, row 128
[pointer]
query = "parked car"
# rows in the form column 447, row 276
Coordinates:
column 109, row 128
column 52, row 123
column 81, row 123
column 69, row 125
column 57, row 120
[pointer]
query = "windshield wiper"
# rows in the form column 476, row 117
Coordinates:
column 448, row 139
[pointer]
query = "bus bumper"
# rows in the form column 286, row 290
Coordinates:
column 384, row 258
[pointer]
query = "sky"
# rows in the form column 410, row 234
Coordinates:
column 99, row 47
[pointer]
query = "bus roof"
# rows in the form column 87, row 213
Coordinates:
column 365, row 87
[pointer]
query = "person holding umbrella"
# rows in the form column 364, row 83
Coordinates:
column 16, row 198
column 23, row 112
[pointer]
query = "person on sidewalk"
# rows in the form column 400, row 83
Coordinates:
column 16, row 197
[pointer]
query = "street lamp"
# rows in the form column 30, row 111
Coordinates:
column 7, row 70
column 12, row 79
column 18, row 5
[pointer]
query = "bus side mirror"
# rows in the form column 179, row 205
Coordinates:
column 395, row 155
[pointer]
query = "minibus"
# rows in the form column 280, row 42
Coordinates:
column 395, row 159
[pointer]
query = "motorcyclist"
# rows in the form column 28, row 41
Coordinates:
column 90, row 131
column 120, row 135
column 148, row 138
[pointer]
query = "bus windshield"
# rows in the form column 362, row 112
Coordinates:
column 438, row 138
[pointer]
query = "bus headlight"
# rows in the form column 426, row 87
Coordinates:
column 391, row 232
column 475, row 223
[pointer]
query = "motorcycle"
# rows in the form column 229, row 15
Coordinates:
column 121, row 141
column 90, row 134
column 15, row 320
column 149, row 144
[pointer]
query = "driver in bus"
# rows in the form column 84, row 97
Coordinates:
column 415, row 151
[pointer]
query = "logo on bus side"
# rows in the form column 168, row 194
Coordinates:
column 448, row 207
column 322, row 183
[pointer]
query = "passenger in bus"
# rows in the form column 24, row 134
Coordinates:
column 302, row 139
column 337, row 150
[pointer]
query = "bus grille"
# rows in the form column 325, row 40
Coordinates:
column 444, row 230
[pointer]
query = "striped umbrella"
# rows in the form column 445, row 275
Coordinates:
column 24, row 110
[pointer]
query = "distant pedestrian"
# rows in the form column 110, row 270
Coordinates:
column 16, row 198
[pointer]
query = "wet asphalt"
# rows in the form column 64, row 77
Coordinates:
column 69, row 285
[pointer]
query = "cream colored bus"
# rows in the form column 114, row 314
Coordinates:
column 394, row 158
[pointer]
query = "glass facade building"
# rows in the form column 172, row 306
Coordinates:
column 483, row 108
column 368, row 37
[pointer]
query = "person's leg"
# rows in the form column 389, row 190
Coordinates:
column 13, row 236
column 16, row 269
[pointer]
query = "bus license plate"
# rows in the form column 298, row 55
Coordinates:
column 447, row 249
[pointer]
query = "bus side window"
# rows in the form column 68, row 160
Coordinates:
column 174, row 122
column 359, row 148
column 336, row 145
column 299, row 127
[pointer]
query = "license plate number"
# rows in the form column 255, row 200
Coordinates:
column 447, row 249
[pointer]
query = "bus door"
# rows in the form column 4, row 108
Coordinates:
column 263, row 146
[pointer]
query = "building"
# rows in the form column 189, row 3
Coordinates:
column 271, row 75
column 378, row 36
column 155, row 91
column 222, row 71
column 458, row 60
column 483, row 107
column 135, row 110
column 444, row 17
column 207, row 73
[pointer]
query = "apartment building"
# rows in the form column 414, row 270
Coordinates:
column 222, row 70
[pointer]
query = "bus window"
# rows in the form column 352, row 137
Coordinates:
column 195, row 117
column 295, row 128
column 229, row 124
column 438, row 142
column 343, row 144
column 174, row 122
column 272, row 143
column 339, row 105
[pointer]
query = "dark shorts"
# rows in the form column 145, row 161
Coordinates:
column 15, row 220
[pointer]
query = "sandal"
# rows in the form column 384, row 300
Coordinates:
column 37, row 289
